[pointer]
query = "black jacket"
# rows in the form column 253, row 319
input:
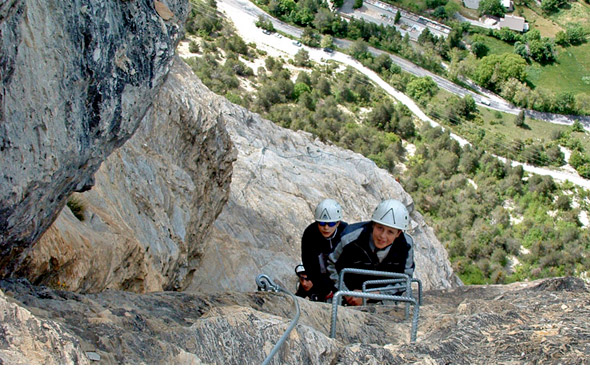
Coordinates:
column 312, row 294
column 355, row 251
column 314, row 254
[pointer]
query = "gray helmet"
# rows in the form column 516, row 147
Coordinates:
column 392, row 213
column 328, row 211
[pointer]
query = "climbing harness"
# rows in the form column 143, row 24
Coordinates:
column 397, row 278
column 264, row 283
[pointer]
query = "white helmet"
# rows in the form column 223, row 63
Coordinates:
column 328, row 211
column 392, row 213
column 299, row 269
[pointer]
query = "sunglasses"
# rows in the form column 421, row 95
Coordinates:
column 304, row 278
column 330, row 224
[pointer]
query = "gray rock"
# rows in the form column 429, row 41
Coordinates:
column 77, row 78
column 27, row 339
column 540, row 322
column 151, row 207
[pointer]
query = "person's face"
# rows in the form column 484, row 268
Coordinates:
column 383, row 236
column 327, row 228
column 305, row 282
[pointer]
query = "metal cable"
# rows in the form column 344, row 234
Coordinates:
column 264, row 283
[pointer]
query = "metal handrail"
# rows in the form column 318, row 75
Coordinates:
column 336, row 300
column 371, row 272
column 386, row 289
column 264, row 283
column 396, row 277
column 409, row 292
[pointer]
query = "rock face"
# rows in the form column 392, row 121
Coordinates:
column 77, row 78
column 541, row 322
column 152, row 204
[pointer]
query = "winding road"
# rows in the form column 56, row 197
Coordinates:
column 244, row 14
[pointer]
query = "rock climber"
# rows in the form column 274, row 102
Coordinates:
column 380, row 244
column 320, row 239
column 305, row 287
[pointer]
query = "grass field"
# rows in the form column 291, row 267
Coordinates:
column 547, row 27
column 570, row 73
column 579, row 12
column 503, row 123
column 496, row 46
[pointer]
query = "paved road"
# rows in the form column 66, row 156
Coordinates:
column 481, row 96
column 244, row 14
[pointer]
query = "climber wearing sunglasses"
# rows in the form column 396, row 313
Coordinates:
column 318, row 241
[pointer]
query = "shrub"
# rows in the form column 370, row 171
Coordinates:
column 76, row 207
column 193, row 47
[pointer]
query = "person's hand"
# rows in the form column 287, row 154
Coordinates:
column 353, row 301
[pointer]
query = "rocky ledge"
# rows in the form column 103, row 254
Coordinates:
column 540, row 322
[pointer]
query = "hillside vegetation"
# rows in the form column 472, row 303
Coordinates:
column 498, row 223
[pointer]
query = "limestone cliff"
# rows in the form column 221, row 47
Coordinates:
column 78, row 81
column 152, row 204
column 77, row 78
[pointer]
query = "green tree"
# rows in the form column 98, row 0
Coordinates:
column 565, row 103
column 193, row 47
column 491, row 8
column 479, row 49
column 440, row 13
column 561, row 38
column 359, row 49
column 264, row 23
column 426, row 37
column 578, row 159
column 519, row 119
column 542, row 50
column 323, row 86
column 575, row 34
column 327, row 41
column 398, row 16
column 301, row 58
column 299, row 89
column 323, row 21
column 577, row 126
column 309, row 37
column 381, row 114
column 493, row 70
column 550, row 6
column 422, row 88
